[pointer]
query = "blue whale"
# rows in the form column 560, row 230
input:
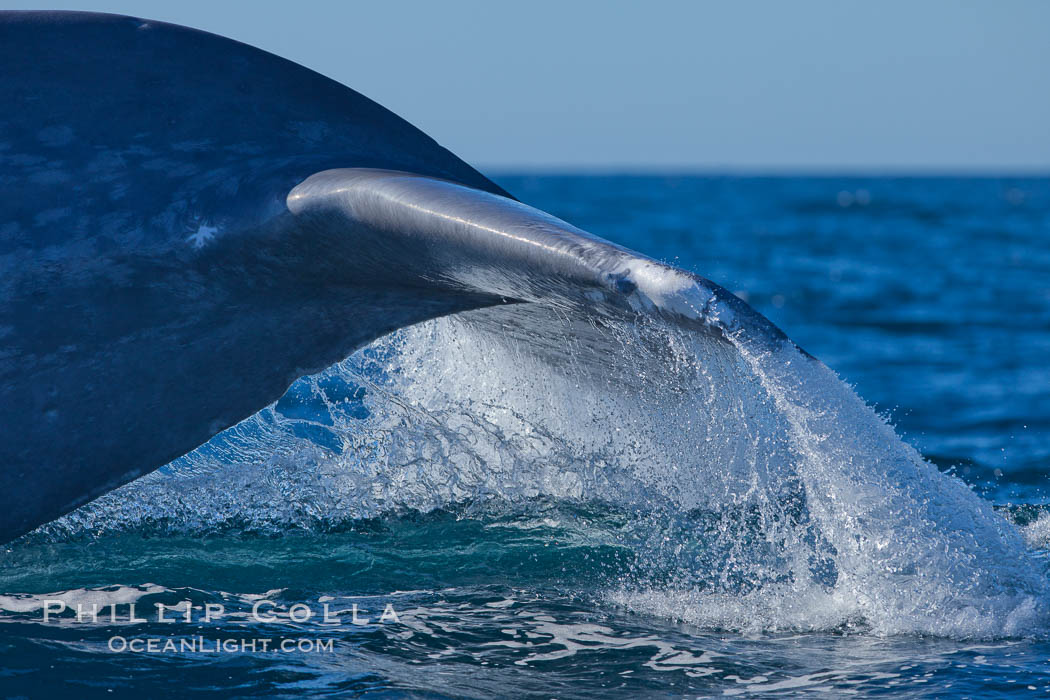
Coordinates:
column 190, row 224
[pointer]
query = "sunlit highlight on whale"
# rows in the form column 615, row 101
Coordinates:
column 180, row 244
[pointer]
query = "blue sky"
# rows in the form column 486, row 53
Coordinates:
column 753, row 86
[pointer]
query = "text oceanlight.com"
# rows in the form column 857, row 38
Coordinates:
column 203, row 645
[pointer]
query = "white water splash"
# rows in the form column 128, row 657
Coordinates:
column 765, row 493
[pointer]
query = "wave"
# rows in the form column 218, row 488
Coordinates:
column 761, row 492
column 215, row 260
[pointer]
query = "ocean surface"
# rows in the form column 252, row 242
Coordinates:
column 478, row 518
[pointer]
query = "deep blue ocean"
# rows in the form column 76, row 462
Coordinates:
column 609, row 542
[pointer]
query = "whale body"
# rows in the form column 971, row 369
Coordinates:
column 190, row 224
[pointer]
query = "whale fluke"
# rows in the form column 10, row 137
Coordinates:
column 191, row 224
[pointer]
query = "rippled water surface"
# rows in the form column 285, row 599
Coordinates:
column 555, row 509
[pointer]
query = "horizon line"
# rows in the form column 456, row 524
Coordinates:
column 765, row 171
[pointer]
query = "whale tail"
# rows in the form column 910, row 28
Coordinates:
column 179, row 243
column 191, row 224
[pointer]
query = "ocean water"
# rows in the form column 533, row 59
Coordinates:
column 556, row 508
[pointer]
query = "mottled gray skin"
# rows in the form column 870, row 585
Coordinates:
column 153, row 288
column 190, row 224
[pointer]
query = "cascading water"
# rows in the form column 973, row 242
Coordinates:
column 561, row 500
column 759, row 491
